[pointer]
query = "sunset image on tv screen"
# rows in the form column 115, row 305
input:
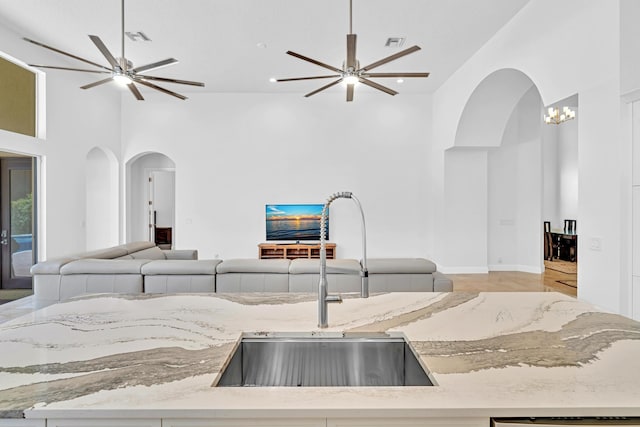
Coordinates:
column 294, row 222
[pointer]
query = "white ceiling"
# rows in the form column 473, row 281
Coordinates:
column 216, row 41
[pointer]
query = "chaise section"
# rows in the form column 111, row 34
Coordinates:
column 401, row 275
column 89, row 276
column 165, row 276
column 343, row 275
column 114, row 269
column 253, row 275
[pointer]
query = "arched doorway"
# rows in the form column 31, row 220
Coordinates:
column 496, row 177
column 151, row 199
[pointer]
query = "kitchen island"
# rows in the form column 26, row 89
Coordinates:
column 151, row 360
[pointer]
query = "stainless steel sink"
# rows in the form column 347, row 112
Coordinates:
column 313, row 362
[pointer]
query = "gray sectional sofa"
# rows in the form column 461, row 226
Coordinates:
column 142, row 267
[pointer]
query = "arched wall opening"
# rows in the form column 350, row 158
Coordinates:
column 496, row 178
column 101, row 216
column 150, row 183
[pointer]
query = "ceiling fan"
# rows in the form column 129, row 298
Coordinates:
column 351, row 72
column 121, row 70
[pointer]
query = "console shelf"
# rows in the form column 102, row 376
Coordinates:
column 293, row 251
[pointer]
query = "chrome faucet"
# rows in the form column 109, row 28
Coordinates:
column 323, row 295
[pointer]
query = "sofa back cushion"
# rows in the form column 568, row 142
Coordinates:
column 108, row 253
column 103, row 266
column 137, row 246
column 149, row 253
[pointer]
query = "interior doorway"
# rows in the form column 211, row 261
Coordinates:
column 150, row 200
column 17, row 221
column 161, row 207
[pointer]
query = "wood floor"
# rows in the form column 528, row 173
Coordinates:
column 512, row 281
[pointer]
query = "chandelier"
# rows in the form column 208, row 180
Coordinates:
column 556, row 117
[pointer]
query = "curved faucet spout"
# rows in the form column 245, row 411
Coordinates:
column 323, row 294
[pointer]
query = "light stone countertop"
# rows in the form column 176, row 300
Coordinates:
column 491, row 354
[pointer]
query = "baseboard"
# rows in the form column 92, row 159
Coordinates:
column 463, row 270
column 485, row 270
column 515, row 267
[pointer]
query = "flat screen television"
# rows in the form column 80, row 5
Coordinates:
column 294, row 222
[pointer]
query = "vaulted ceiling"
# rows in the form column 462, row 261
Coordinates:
column 238, row 45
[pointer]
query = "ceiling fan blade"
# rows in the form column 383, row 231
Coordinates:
column 396, row 75
column 378, row 86
column 313, row 61
column 66, row 53
column 308, row 78
column 103, row 49
column 132, row 87
column 98, row 83
column 323, row 88
column 351, row 51
column 153, row 66
column 162, row 79
column 350, row 92
column 69, row 69
column 161, row 89
column 391, row 58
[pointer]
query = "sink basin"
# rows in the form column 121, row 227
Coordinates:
column 316, row 362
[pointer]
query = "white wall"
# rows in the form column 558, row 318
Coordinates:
column 590, row 67
column 550, row 191
column 515, row 192
column 635, row 225
column 560, row 171
column 236, row 152
column 567, row 140
column 77, row 121
column 466, row 211
column 102, row 206
column 629, row 46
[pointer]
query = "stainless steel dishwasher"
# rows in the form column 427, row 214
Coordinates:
column 565, row 421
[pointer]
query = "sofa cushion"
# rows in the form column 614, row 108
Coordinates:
column 254, row 266
column 51, row 266
column 108, row 253
column 181, row 267
column 103, row 266
column 149, row 253
column 334, row 266
column 136, row 246
column 400, row 265
column 180, row 253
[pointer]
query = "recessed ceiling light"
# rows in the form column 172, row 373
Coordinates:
column 261, row 45
column 400, row 81
column 272, row 79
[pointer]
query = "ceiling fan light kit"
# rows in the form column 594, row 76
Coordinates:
column 121, row 71
column 351, row 72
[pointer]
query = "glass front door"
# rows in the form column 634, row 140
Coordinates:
column 16, row 222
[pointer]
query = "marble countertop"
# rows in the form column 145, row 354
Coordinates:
column 491, row 354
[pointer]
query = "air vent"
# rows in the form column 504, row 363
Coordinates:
column 394, row 42
column 137, row 36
